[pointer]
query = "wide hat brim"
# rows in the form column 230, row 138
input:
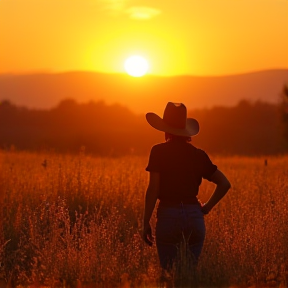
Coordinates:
column 191, row 129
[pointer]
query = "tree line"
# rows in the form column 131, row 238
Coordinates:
column 248, row 128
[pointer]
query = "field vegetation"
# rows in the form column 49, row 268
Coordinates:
column 75, row 220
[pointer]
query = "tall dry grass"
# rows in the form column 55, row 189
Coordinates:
column 76, row 220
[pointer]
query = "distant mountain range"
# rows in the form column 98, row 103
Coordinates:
column 43, row 91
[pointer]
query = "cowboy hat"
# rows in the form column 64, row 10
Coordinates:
column 174, row 121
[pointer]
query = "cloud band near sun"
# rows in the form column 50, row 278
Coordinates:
column 113, row 5
column 142, row 13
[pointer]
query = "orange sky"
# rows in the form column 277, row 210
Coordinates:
column 195, row 37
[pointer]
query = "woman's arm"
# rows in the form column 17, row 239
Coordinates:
column 150, row 201
column 223, row 185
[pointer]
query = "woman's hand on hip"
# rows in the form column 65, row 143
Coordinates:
column 147, row 234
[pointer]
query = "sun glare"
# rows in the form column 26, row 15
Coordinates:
column 136, row 66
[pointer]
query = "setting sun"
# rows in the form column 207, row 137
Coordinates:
column 136, row 66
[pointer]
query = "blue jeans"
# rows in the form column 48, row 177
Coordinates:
column 176, row 225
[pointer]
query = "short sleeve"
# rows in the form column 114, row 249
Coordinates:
column 208, row 167
column 154, row 163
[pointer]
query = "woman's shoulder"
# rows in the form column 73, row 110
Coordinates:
column 159, row 145
column 200, row 152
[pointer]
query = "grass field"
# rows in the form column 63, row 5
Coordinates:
column 76, row 220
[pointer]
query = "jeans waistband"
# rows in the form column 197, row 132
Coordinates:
column 180, row 210
column 179, row 204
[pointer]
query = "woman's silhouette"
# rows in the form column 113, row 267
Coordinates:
column 176, row 170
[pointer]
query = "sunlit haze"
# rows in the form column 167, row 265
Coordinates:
column 178, row 37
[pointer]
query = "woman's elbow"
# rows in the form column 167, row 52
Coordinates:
column 226, row 184
column 220, row 180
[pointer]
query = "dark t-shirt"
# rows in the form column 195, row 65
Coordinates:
column 182, row 167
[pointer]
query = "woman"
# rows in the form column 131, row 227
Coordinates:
column 176, row 170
